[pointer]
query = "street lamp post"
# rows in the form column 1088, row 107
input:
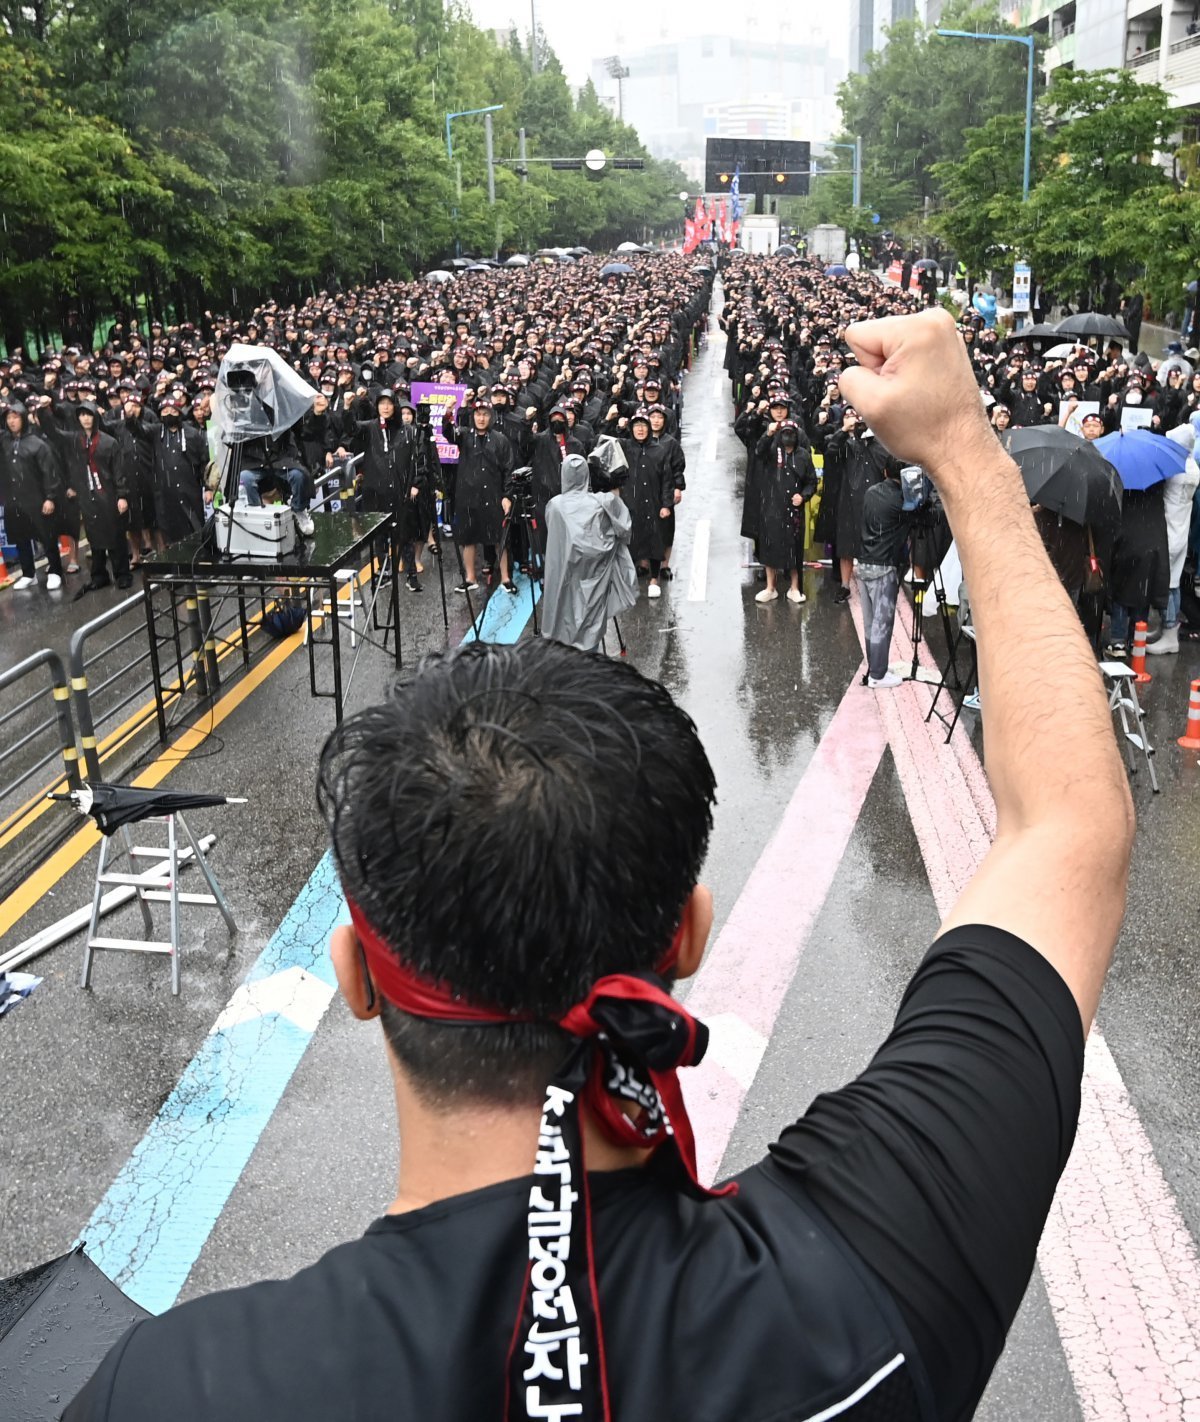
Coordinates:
column 491, row 164
column 1027, row 41
column 619, row 72
column 856, row 149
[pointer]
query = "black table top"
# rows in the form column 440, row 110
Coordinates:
column 337, row 537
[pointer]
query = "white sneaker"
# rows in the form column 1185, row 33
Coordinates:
column 795, row 595
column 654, row 590
column 304, row 523
column 53, row 582
column 23, row 582
column 767, row 595
column 885, row 682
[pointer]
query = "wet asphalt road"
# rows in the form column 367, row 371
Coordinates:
column 87, row 1072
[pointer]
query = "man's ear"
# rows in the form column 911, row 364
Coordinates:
column 695, row 924
column 353, row 975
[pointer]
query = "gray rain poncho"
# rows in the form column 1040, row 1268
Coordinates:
column 590, row 576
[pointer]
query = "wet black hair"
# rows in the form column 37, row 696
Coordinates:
column 516, row 822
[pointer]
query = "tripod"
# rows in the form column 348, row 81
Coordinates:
column 924, row 555
column 524, row 513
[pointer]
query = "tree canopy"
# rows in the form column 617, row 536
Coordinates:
column 190, row 156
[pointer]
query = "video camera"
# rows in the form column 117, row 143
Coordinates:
column 920, row 493
column 608, row 468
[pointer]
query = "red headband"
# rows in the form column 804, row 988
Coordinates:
column 420, row 996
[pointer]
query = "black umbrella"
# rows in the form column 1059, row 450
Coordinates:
column 1037, row 330
column 112, row 806
column 1067, row 475
column 57, row 1322
column 926, row 264
column 1092, row 323
column 785, row 249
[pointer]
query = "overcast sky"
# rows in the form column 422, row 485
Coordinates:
column 579, row 33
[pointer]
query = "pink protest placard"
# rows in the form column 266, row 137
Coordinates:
column 442, row 400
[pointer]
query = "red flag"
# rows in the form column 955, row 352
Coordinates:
column 689, row 235
column 722, row 222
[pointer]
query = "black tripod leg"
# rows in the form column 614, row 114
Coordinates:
column 620, row 638
column 441, row 562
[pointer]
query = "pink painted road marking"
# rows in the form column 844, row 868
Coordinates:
column 746, row 973
column 1119, row 1264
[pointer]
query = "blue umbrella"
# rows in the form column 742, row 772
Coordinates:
column 616, row 269
column 1142, row 458
column 837, row 269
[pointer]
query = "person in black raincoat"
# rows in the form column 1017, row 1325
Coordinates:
column 862, row 461
column 180, row 456
column 98, row 478
column 787, row 483
column 1140, row 569
column 749, row 427
column 480, row 491
column 649, row 492
column 387, row 472
column 677, row 464
column 545, row 452
column 129, row 427
column 31, row 489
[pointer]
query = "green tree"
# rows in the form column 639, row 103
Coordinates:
column 915, row 100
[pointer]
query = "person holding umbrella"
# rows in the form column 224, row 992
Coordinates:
column 1178, row 497
column 1076, row 499
column 1140, row 575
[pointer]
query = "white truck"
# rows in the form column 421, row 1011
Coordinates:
column 759, row 233
column 827, row 243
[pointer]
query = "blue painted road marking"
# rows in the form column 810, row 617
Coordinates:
column 150, row 1227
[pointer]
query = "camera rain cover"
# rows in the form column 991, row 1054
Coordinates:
column 257, row 394
column 608, row 457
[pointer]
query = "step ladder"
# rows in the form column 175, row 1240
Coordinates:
column 157, row 884
column 1121, row 683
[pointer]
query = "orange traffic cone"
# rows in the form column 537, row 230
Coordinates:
column 1190, row 740
column 4, row 578
column 1138, row 660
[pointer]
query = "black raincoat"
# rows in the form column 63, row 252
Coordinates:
column 780, row 522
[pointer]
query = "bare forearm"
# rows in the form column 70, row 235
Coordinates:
column 1050, row 746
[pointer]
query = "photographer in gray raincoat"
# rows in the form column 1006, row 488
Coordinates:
column 590, row 575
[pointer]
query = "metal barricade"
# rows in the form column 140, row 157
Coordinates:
column 58, row 722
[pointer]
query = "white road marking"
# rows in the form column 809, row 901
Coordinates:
column 698, row 578
column 292, row 993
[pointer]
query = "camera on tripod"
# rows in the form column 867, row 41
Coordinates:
column 608, row 468
column 920, row 493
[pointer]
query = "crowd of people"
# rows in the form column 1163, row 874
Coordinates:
column 120, row 438
column 785, row 321
column 552, row 357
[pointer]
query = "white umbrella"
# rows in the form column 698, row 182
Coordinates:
column 629, row 247
column 439, row 276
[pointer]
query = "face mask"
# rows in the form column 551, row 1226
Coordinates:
column 558, row 426
column 1134, row 397
column 171, row 419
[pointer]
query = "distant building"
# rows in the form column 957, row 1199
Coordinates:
column 871, row 19
column 677, row 93
column 1149, row 37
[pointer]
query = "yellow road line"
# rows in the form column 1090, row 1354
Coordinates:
column 64, row 859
